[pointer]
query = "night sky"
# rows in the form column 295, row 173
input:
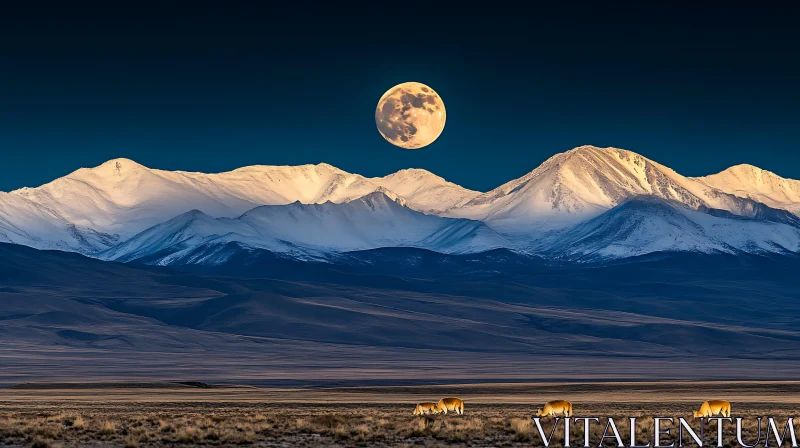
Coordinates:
column 204, row 89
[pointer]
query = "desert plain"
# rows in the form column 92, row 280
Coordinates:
column 497, row 414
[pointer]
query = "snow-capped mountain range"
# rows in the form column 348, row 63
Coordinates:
column 582, row 183
column 586, row 203
column 312, row 230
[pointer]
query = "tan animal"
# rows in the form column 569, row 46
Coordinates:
column 450, row 404
column 555, row 407
column 714, row 407
column 425, row 409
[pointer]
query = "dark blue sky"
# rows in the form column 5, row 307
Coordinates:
column 204, row 89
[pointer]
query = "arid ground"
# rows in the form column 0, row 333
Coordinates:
column 164, row 414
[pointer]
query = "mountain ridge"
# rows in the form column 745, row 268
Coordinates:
column 311, row 230
column 582, row 183
column 758, row 184
column 96, row 211
column 628, row 231
column 124, row 197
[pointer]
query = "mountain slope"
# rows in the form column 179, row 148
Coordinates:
column 27, row 223
column 425, row 191
column 646, row 225
column 580, row 184
column 310, row 230
column 760, row 185
column 122, row 197
column 71, row 318
column 186, row 233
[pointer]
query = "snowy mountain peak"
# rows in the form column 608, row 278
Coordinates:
column 591, row 149
column 747, row 175
column 382, row 191
column 746, row 167
column 193, row 214
column 309, row 167
column 426, row 191
column 380, row 198
column 752, row 182
column 581, row 182
column 374, row 201
column 112, row 170
column 417, row 173
column 323, row 165
column 586, row 181
column 120, row 164
column 109, row 170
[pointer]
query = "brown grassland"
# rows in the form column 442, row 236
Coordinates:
column 151, row 417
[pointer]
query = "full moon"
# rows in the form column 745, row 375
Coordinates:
column 410, row 115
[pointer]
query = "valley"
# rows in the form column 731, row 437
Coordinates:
column 366, row 318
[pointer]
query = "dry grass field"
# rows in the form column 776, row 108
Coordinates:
column 158, row 416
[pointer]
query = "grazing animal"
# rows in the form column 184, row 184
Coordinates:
column 555, row 407
column 450, row 404
column 714, row 407
column 425, row 409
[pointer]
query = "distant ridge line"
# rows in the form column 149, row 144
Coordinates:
column 120, row 385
